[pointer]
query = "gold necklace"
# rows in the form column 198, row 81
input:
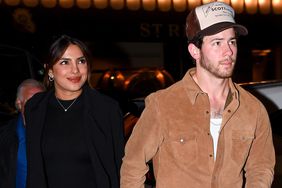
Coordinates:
column 66, row 109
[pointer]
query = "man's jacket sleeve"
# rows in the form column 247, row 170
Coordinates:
column 259, row 167
column 141, row 146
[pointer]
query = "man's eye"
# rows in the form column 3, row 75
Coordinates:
column 216, row 43
column 233, row 42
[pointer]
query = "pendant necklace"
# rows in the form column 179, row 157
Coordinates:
column 66, row 109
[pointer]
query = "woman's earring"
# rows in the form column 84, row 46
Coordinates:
column 50, row 78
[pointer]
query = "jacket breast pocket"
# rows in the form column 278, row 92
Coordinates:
column 241, row 144
column 183, row 148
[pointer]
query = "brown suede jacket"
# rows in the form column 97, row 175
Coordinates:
column 174, row 131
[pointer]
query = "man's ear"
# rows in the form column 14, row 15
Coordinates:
column 194, row 51
column 18, row 104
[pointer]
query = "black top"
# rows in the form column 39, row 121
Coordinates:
column 67, row 160
column 101, row 128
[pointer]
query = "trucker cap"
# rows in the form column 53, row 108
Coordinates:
column 211, row 18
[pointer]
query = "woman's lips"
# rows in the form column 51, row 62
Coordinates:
column 75, row 79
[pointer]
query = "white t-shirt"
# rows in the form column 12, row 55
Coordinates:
column 215, row 125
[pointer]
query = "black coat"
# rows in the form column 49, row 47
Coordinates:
column 8, row 154
column 103, row 127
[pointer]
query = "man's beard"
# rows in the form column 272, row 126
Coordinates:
column 217, row 71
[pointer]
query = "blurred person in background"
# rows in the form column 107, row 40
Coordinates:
column 205, row 130
column 74, row 133
column 13, row 164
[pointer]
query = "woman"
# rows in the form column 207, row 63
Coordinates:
column 74, row 134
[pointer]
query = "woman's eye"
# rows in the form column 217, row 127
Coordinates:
column 82, row 61
column 63, row 62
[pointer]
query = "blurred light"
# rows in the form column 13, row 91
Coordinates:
column 149, row 4
column 277, row 6
column 207, row 1
column 30, row 3
column 225, row 1
column 264, row 6
column 49, row 3
column 240, row 6
column 159, row 75
column 145, row 81
column 164, row 5
column 12, row 2
column 179, row 5
column 258, row 52
column 251, row 6
column 101, row 4
column 193, row 3
column 110, row 81
column 133, row 4
column 117, row 4
column 84, row 4
column 66, row 3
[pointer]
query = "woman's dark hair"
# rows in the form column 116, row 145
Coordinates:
column 56, row 51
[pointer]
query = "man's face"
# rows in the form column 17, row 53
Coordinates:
column 218, row 53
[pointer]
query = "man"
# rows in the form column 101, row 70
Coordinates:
column 203, row 131
column 13, row 165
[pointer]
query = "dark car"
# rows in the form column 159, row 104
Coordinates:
column 270, row 93
column 17, row 65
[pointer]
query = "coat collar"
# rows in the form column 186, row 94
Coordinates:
column 193, row 90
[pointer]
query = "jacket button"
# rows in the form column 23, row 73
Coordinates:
column 210, row 155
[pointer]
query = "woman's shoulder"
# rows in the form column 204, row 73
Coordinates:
column 100, row 98
column 36, row 99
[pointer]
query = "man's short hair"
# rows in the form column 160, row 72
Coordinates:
column 29, row 83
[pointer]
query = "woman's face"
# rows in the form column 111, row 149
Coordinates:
column 69, row 73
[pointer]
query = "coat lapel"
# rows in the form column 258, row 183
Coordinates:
column 34, row 144
column 96, row 138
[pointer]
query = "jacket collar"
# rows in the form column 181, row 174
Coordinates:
column 193, row 90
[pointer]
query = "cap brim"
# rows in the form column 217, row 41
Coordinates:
column 216, row 28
